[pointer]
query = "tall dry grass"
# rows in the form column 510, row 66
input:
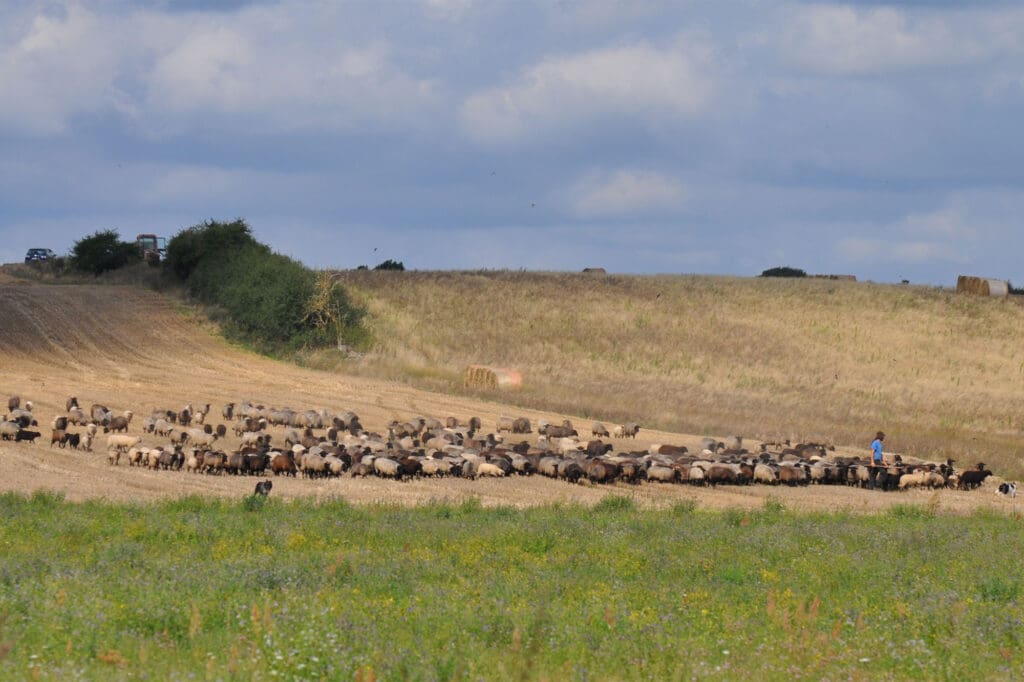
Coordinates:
column 767, row 358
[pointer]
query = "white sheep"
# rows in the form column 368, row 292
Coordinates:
column 122, row 442
column 488, row 469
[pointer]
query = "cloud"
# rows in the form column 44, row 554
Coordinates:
column 639, row 83
column 893, row 251
column 842, row 39
column 55, row 67
column 625, row 192
column 262, row 67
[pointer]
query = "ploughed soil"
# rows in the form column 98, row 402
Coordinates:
column 131, row 349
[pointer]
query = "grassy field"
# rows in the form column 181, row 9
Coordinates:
column 298, row 590
column 766, row 358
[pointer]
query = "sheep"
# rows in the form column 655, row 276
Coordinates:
column 118, row 424
column 73, row 440
column 30, row 436
column 59, row 423
column 505, row 424
column 617, row 432
column 489, row 469
column 630, row 429
column 91, row 429
column 972, row 479
column 77, row 416
column 914, row 479
column 122, row 442
column 662, row 474
column 228, row 411
column 13, row 403
column 521, row 425
column 71, row 402
column 87, row 441
column 60, row 437
column 765, row 474
column 597, row 429
column 199, row 437
column 9, row 430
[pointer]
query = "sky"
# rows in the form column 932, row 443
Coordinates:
column 880, row 139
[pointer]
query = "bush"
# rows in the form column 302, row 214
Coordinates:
column 390, row 265
column 217, row 240
column 268, row 300
column 784, row 271
column 102, row 251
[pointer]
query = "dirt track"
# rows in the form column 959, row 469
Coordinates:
column 132, row 349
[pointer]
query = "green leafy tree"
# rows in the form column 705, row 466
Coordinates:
column 390, row 265
column 784, row 271
column 212, row 239
column 102, row 251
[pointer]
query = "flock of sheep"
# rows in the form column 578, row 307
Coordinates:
column 317, row 444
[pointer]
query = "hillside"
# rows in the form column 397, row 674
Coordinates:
column 138, row 350
column 768, row 358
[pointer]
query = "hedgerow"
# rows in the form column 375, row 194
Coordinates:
column 263, row 298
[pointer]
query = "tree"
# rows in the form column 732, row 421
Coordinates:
column 390, row 265
column 102, row 251
column 784, row 271
column 212, row 239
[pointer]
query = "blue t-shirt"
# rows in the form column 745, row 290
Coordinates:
column 876, row 450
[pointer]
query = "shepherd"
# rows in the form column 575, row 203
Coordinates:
column 877, row 458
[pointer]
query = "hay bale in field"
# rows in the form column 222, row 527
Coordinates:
column 482, row 376
column 981, row 286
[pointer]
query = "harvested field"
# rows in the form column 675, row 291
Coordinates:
column 131, row 349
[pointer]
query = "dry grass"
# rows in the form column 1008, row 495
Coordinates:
column 768, row 358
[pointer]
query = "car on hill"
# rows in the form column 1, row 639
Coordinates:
column 35, row 255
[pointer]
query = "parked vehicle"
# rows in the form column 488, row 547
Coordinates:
column 35, row 255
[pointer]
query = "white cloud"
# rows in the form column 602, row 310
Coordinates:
column 861, row 249
column 57, row 67
column 273, row 67
column 637, row 82
column 845, row 40
column 625, row 192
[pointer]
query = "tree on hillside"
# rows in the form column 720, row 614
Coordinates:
column 784, row 271
column 102, row 251
column 212, row 239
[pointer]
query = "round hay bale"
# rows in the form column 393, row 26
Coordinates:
column 483, row 376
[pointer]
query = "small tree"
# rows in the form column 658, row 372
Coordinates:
column 784, row 271
column 390, row 265
column 102, row 251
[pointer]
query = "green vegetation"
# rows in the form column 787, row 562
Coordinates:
column 224, row 590
column 102, row 251
column 783, row 271
column 262, row 298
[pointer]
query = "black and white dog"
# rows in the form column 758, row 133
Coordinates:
column 1009, row 489
column 263, row 488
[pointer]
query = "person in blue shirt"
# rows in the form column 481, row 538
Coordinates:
column 877, row 458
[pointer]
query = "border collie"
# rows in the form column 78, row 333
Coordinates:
column 1008, row 489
